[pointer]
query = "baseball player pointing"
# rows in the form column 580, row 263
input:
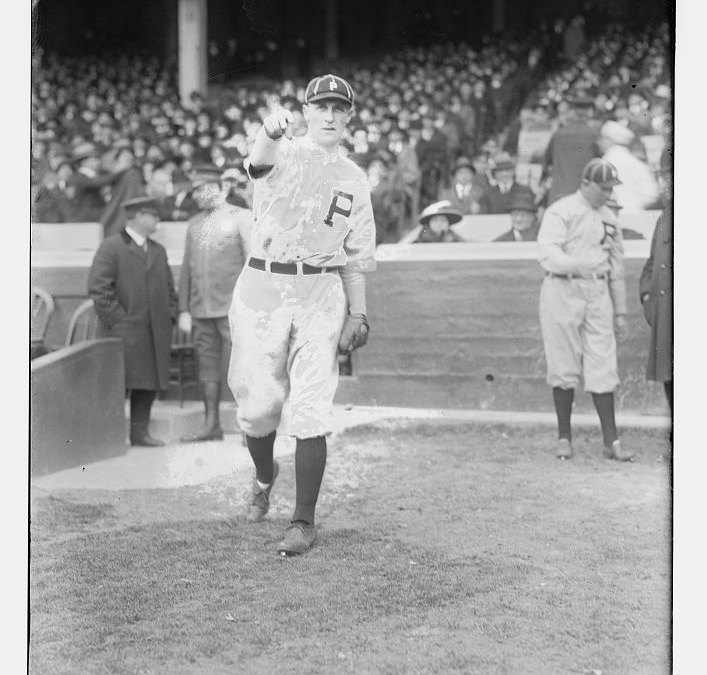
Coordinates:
column 301, row 296
column 583, row 302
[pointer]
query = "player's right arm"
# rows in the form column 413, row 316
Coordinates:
column 266, row 144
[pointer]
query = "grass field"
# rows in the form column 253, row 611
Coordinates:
column 442, row 549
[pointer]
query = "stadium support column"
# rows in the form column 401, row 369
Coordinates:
column 332, row 31
column 192, row 48
column 498, row 17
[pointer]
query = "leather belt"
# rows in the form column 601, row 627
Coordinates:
column 287, row 268
column 576, row 276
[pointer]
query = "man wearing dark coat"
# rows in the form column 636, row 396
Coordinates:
column 570, row 148
column 656, row 288
column 133, row 294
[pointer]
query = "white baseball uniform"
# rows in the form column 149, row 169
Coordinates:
column 312, row 209
column 577, row 314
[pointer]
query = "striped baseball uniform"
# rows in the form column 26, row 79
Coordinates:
column 312, row 215
column 577, row 314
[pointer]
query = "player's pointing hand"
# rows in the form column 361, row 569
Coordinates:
column 276, row 123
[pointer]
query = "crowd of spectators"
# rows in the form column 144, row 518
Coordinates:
column 442, row 122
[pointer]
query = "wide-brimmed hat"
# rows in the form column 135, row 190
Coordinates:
column 443, row 208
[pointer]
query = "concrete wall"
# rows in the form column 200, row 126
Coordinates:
column 453, row 325
column 77, row 406
column 466, row 334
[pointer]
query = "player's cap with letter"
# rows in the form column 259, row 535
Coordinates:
column 143, row 204
column 328, row 87
column 601, row 172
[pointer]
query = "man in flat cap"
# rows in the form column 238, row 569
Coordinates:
column 133, row 294
column 215, row 251
column 583, row 303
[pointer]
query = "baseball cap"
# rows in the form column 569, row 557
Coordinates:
column 329, row 86
column 600, row 171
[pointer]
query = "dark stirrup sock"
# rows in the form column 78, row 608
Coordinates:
column 310, row 460
column 261, row 450
column 563, row 399
column 604, row 403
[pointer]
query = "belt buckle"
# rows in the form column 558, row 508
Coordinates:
column 300, row 268
column 267, row 266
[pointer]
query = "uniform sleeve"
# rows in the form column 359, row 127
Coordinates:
column 270, row 173
column 185, row 275
column 360, row 242
column 102, row 279
column 551, row 237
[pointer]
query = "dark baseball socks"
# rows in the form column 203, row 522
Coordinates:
column 261, row 451
column 604, row 403
column 310, row 461
column 563, row 399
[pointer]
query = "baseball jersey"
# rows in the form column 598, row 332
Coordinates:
column 572, row 231
column 313, row 206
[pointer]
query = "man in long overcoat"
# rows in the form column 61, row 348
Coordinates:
column 133, row 293
column 656, row 287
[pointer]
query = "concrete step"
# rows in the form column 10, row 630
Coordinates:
column 169, row 421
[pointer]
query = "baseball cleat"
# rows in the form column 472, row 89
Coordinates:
column 615, row 451
column 563, row 449
column 260, row 497
column 299, row 536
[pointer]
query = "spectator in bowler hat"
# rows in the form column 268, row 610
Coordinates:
column 133, row 293
column 524, row 223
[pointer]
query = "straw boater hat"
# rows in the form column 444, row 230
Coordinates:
column 443, row 208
